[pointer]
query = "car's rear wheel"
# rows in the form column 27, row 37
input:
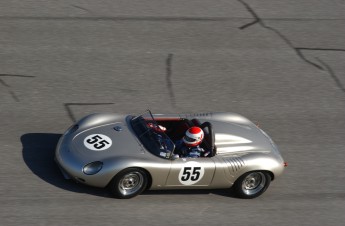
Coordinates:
column 252, row 184
column 128, row 183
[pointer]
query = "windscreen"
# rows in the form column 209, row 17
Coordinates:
column 153, row 139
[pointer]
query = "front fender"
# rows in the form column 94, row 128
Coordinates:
column 158, row 170
column 98, row 119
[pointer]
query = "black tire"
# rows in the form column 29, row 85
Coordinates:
column 128, row 183
column 252, row 184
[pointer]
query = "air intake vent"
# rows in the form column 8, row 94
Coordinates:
column 234, row 163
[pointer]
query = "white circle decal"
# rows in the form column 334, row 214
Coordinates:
column 191, row 173
column 97, row 142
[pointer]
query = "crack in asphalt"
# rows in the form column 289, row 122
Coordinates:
column 258, row 20
column 70, row 112
column 333, row 75
column 82, row 8
column 249, row 24
column 301, row 55
column 4, row 83
column 11, row 75
column 14, row 96
column 298, row 50
column 168, row 79
column 321, row 49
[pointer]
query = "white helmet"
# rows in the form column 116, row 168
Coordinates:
column 193, row 137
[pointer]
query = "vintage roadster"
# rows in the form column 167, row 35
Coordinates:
column 128, row 155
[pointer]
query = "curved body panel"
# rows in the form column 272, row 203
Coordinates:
column 112, row 142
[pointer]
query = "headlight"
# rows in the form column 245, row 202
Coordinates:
column 92, row 168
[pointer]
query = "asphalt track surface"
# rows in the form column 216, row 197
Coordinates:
column 279, row 63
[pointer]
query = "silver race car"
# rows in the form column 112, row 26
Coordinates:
column 129, row 153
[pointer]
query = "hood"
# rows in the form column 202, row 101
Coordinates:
column 106, row 141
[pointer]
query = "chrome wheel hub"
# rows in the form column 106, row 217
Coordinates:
column 253, row 183
column 131, row 183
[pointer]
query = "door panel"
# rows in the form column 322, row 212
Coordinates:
column 191, row 172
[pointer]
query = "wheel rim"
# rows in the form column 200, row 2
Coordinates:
column 253, row 183
column 131, row 183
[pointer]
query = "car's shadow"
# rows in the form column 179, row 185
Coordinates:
column 38, row 154
column 220, row 192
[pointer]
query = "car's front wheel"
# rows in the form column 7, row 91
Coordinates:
column 252, row 184
column 128, row 183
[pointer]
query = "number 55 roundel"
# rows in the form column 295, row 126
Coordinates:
column 191, row 173
column 97, row 142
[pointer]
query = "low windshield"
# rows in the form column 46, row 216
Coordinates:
column 154, row 140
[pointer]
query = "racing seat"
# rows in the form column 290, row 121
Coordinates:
column 196, row 122
column 209, row 139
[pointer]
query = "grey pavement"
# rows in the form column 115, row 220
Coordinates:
column 280, row 64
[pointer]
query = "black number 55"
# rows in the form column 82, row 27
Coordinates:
column 191, row 173
column 97, row 142
column 94, row 139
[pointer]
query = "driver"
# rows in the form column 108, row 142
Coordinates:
column 188, row 146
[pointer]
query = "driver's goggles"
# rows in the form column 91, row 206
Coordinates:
column 189, row 139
